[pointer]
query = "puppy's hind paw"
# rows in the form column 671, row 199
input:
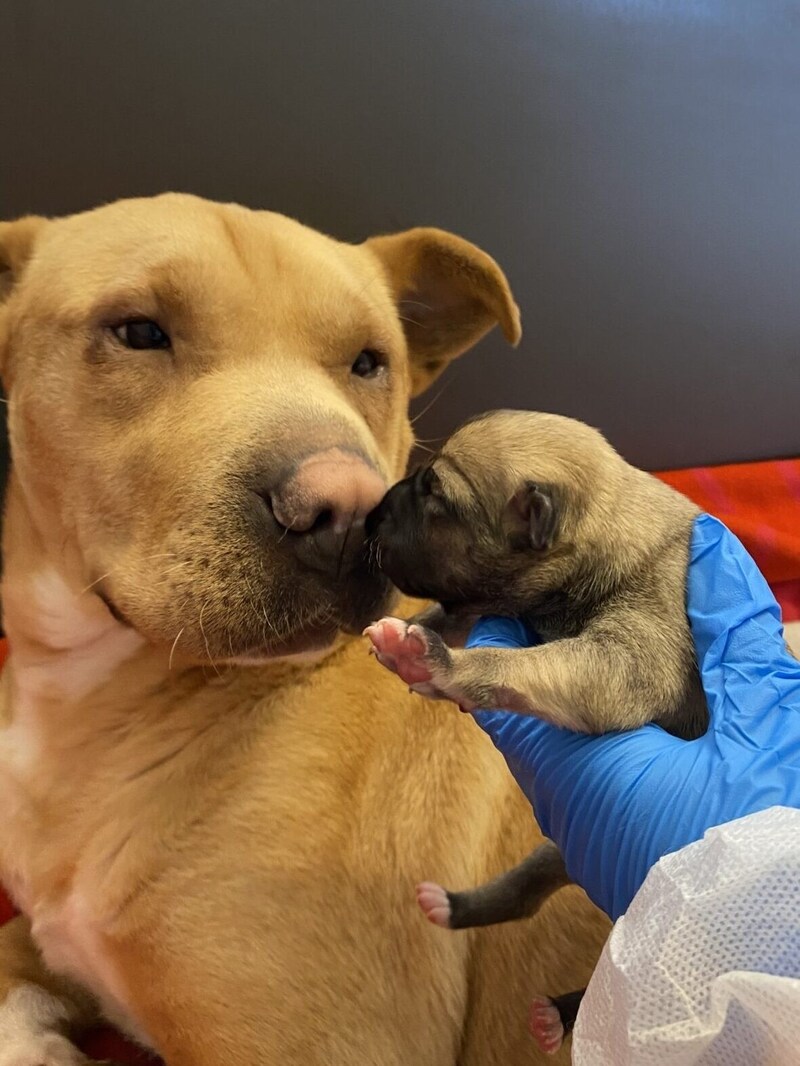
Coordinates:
column 545, row 1025
column 434, row 903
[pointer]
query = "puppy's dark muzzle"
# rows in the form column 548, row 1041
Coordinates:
column 394, row 528
column 394, row 515
column 379, row 521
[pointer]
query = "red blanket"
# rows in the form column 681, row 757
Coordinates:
column 760, row 502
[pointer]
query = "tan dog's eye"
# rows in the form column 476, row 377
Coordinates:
column 141, row 334
column 367, row 364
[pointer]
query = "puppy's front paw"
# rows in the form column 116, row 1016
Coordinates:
column 417, row 655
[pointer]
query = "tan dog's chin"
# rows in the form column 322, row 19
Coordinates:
column 230, row 619
column 306, row 643
column 302, row 654
column 237, row 648
column 309, row 642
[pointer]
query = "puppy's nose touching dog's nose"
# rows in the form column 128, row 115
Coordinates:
column 325, row 500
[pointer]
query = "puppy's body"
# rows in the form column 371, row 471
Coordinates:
column 535, row 516
column 212, row 806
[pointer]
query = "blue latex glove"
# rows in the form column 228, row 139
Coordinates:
column 614, row 804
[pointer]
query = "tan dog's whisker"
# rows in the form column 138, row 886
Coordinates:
column 415, row 303
column 174, row 646
column 412, row 322
column 287, row 531
column 430, row 405
column 117, row 569
column 96, row 581
column 205, row 638
column 181, row 565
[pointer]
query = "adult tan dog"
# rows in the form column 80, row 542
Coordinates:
column 216, row 807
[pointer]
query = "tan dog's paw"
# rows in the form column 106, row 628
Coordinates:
column 434, row 903
column 417, row 655
column 39, row 1049
column 545, row 1025
column 30, row 1020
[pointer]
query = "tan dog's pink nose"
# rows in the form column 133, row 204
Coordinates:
column 334, row 486
column 323, row 504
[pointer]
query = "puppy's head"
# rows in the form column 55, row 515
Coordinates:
column 205, row 402
column 512, row 508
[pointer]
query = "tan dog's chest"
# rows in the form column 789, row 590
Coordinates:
column 41, row 870
column 62, row 852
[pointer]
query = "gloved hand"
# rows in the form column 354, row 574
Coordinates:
column 614, row 804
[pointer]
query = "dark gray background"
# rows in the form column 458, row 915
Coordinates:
column 635, row 167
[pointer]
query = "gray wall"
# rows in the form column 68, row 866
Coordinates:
column 634, row 166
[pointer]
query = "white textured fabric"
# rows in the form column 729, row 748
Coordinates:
column 704, row 969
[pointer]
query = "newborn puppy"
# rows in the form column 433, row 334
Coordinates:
column 536, row 516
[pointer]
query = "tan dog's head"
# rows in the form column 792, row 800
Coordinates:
column 516, row 507
column 206, row 401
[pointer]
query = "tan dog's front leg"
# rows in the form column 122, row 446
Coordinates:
column 38, row 1010
column 585, row 684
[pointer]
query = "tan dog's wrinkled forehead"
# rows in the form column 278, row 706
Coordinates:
column 205, row 401
column 255, row 277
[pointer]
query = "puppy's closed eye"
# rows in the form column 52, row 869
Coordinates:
column 428, row 483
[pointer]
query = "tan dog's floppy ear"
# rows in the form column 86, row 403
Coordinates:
column 16, row 247
column 449, row 294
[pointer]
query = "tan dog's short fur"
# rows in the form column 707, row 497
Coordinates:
column 214, row 844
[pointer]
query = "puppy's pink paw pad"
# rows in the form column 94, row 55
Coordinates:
column 545, row 1025
column 387, row 635
column 434, row 903
column 401, row 648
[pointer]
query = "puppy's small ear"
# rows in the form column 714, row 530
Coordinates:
column 536, row 506
column 449, row 294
